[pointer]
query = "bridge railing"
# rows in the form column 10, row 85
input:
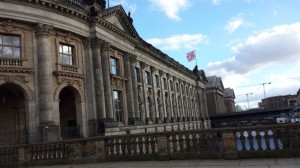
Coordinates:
column 229, row 143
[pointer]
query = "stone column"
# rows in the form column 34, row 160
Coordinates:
column 169, row 109
column 105, row 60
column 162, row 103
column 143, row 94
column 129, row 90
column 98, row 78
column 154, row 101
column 49, row 128
column 134, row 89
column 176, row 109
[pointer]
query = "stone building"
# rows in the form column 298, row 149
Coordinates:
column 229, row 97
column 72, row 68
column 282, row 101
column 215, row 95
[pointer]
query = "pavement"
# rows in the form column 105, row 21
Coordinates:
column 243, row 163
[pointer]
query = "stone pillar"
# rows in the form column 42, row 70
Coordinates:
column 175, row 100
column 162, row 103
column 129, row 90
column 169, row 109
column 134, row 89
column 49, row 129
column 143, row 94
column 230, row 150
column 154, row 103
column 105, row 60
column 98, row 78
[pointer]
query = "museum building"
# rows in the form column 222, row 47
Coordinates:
column 75, row 69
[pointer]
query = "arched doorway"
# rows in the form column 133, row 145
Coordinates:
column 12, row 115
column 67, row 111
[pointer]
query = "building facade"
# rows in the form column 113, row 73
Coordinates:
column 284, row 101
column 229, row 97
column 71, row 68
column 214, row 91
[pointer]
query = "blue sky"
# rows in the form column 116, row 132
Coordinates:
column 246, row 42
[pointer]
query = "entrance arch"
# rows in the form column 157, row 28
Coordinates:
column 12, row 114
column 69, row 124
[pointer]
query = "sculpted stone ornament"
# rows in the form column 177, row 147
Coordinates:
column 42, row 30
column 96, row 42
column 9, row 26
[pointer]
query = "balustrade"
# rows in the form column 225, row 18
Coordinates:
column 69, row 68
column 245, row 142
column 11, row 62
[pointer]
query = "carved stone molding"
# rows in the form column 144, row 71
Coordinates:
column 96, row 42
column 127, row 57
column 143, row 65
column 13, row 78
column 105, row 45
column 16, row 70
column 9, row 26
column 161, row 73
column 118, row 81
column 42, row 30
column 68, row 37
column 69, row 78
column 153, row 69
column 86, row 43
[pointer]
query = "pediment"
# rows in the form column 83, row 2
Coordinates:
column 118, row 17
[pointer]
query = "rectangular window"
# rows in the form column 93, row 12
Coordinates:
column 117, row 105
column 165, row 83
column 66, row 53
column 10, row 46
column 171, row 86
column 157, row 80
column 137, row 75
column 114, row 64
column 147, row 78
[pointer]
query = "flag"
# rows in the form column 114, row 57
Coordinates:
column 191, row 56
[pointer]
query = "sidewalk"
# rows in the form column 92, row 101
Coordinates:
column 245, row 163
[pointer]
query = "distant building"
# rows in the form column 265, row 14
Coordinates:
column 281, row 101
column 229, row 97
column 215, row 95
column 238, row 108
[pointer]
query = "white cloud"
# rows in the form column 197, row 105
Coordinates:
column 278, row 46
column 216, row 2
column 170, row 7
column 234, row 23
column 176, row 42
column 129, row 6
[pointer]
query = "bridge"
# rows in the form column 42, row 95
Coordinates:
column 253, row 117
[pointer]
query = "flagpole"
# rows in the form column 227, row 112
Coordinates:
column 196, row 57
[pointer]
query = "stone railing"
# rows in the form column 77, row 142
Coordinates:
column 69, row 68
column 233, row 143
column 11, row 62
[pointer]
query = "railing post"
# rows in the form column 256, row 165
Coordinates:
column 100, row 152
column 21, row 156
column 163, row 150
column 230, row 150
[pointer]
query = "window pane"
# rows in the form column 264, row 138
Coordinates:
column 60, row 48
column 16, row 41
column 0, row 39
column 65, row 59
column 16, row 53
column 7, row 51
column 7, row 40
column 1, row 51
column 65, row 49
